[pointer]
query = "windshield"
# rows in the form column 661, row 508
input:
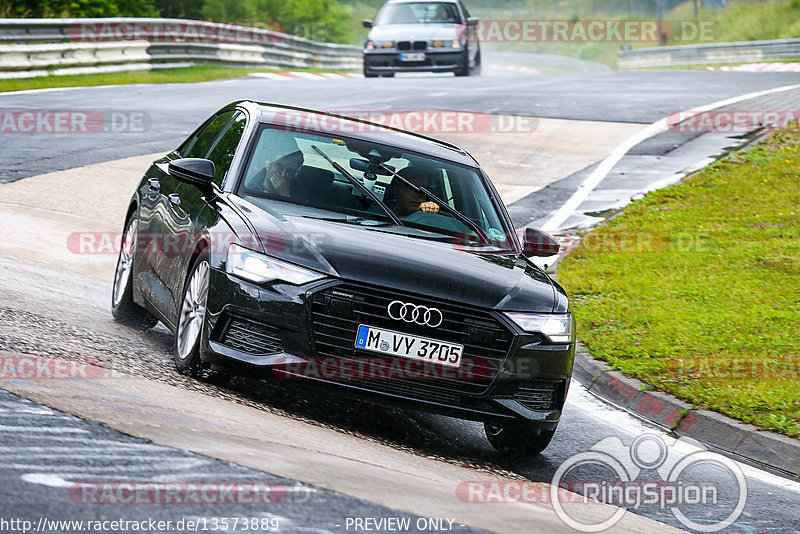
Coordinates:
column 294, row 167
column 418, row 13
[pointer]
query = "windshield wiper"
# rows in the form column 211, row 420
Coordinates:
column 361, row 187
column 454, row 212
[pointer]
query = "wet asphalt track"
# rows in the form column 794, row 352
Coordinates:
column 176, row 109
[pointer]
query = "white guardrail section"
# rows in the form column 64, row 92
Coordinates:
column 37, row 47
column 709, row 54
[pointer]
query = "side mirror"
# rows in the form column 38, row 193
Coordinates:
column 472, row 21
column 367, row 23
column 196, row 171
column 538, row 243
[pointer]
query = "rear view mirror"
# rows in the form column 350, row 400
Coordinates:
column 538, row 243
column 472, row 21
column 367, row 23
column 196, row 171
column 364, row 165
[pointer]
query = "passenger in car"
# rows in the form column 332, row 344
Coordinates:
column 278, row 174
column 403, row 200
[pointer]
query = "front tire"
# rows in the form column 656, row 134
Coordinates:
column 518, row 439
column 368, row 74
column 123, row 308
column 191, row 322
column 463, row 68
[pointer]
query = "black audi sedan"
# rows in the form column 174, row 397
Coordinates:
column 422, row 36
column 310, row 246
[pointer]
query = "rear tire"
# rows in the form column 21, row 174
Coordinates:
column 476, row 70
column 123, row 308
column 518, row 439
column 191, row 322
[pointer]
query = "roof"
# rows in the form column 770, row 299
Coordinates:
column 368, row 131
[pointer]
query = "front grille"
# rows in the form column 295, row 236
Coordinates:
column 251, row 337
column 537, row 395
column 416, row 45
column 338, row 311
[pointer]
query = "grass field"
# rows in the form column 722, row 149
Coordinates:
column 198, row 73
column 695, row 289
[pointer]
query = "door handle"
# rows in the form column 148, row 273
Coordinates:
column 154, row 184
column 174, row 199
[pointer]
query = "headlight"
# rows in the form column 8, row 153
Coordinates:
column 369, row 45
column 558, row 328
column 387, row 44
column 456, row 43
column 260, row 268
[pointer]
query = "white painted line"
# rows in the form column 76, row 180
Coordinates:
column 175, row 464
column 43, row 429
column 555, row 222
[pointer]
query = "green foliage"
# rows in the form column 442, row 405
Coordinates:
column 78, row 8
column 320, row 20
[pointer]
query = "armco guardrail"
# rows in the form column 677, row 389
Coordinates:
column 113, row 43
column 72, row 58
column 709, row 54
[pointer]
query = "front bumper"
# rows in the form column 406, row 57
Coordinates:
column 286, row 330
column 379, row 62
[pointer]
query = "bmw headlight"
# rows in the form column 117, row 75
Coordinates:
column 259, row 268
column 557, row 327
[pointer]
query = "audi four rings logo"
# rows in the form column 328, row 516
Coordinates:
column 411, row 313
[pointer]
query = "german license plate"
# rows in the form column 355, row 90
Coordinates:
column 417, row 56
column 408, row 346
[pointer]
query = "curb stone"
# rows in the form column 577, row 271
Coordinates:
column 711, row 428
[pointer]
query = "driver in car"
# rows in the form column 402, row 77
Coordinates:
column 406, row 200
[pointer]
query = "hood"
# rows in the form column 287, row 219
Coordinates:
column 374, row 256
column 414, row 32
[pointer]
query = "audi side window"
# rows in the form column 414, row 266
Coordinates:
column 225, row 147
column 205, row 139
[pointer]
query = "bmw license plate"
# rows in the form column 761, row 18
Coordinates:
column 416, row 56
column 408, row 346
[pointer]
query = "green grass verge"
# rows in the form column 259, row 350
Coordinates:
column 197, row 73
column 695, row 289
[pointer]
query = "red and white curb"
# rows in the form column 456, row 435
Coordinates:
column 761, row 67
column 515, row 68
column 304, row 75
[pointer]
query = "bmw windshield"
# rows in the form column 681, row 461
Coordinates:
column 314, row 175
column 418, row 13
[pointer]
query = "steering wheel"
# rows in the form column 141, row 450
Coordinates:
column 436, row 220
